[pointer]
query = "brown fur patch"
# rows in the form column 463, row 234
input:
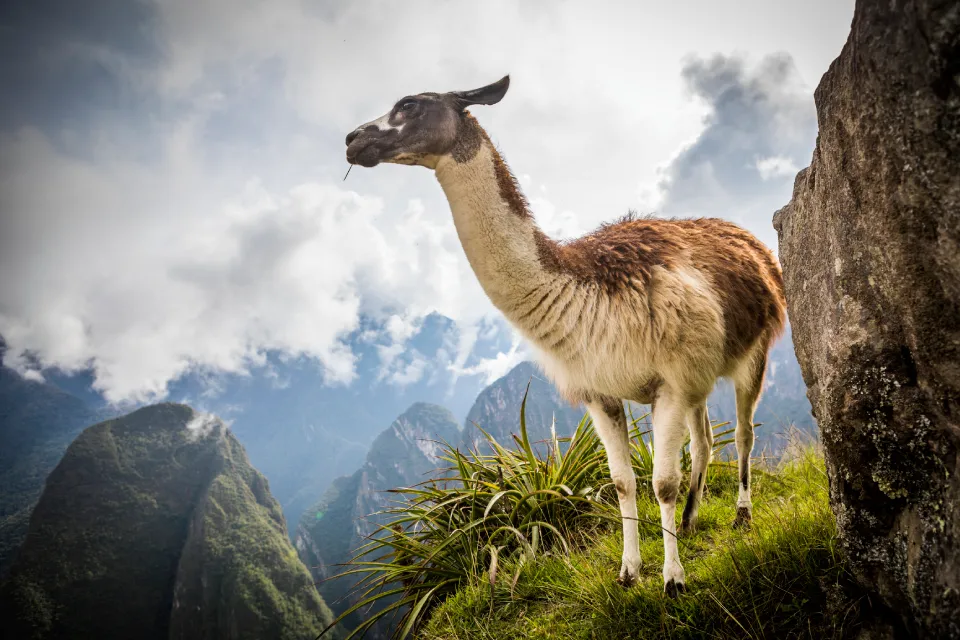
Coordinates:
column 470, row 136
column 666, row 490
column 614, row 257
column 747, row 279
column 648, row 392
column 509, row 187
column 613, row 407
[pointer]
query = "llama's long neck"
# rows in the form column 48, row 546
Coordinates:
column 498, row 234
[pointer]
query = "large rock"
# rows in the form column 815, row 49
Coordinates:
column 870, row 246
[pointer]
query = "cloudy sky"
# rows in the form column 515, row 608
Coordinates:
column 171, row 173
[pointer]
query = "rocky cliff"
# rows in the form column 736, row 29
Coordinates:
column 870, row 246
column 154, row 525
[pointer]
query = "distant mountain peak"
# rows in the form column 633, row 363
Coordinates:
column 421, row 427
column 403, row 455
column 497, row 409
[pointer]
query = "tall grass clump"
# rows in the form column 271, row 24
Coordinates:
column 509, row 507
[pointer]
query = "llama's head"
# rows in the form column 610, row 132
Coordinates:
column 419, row 129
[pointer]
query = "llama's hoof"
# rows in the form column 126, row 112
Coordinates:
column 743, row 519
column 687, row 527
column 628, row 577
column 673, row 588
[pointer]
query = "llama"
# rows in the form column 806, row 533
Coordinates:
column 643, row 309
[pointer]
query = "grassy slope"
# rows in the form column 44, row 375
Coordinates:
column 784, row 578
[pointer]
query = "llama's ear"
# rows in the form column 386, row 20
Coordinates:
column 490, row 94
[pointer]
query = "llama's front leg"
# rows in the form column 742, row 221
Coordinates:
column 701, row 450
column 610, row 423
column 668, row 436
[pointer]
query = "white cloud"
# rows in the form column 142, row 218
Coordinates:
column 759, row 122
column 200, row 220
column 496, row 367
column 409, row 372
column 33, row 375
column 776, row 167
column 158, row 285
column 204, row 424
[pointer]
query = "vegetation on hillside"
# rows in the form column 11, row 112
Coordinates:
column 150, row 528
column 516, row 545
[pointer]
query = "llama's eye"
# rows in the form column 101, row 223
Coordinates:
column 407, row 106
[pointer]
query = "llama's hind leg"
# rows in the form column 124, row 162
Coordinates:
column 748, row 386
column 701, row 450
column 669, row 427
column 610, row 423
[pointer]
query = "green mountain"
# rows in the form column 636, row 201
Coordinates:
column 401, row 456
column 37, row 423
column 155, row 525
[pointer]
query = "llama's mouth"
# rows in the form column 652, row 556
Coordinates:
column 365, row 155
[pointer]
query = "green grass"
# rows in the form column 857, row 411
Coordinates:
column 519, row 545
column 784, row 578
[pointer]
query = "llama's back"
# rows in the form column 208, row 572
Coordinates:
column 744, row 274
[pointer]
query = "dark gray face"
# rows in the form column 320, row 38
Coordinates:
column 419, row 128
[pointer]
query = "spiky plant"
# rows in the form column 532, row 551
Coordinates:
column 515, row 504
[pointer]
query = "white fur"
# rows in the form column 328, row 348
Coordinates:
column 383, row 124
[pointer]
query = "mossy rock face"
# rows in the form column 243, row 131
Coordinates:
column 154, row 525
column 870, row 246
